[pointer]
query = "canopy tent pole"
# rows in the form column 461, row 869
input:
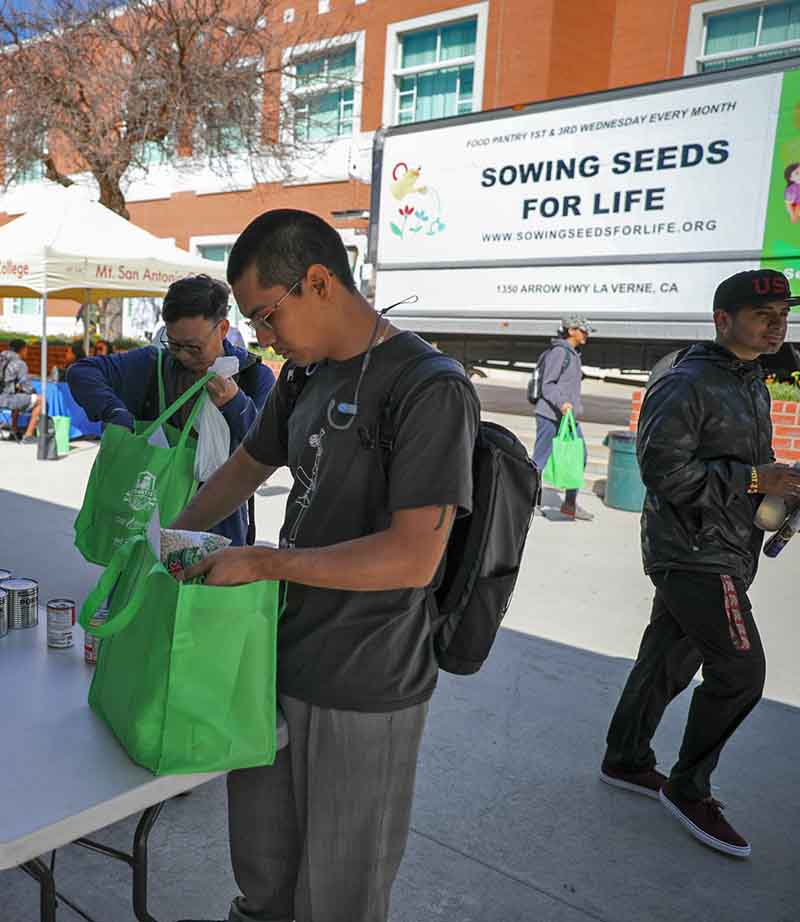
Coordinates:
column 87, row 320
column 41, row 450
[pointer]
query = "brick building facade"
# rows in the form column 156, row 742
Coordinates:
column 423, row 59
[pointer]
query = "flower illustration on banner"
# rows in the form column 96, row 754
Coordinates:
column 420, row 212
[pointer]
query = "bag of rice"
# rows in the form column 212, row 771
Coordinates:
column 182, row 549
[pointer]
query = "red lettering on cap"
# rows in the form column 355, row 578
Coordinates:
column 770, row 285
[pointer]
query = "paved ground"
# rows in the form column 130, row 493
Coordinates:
column 510, row 822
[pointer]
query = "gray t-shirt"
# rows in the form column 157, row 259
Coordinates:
column 364, row 651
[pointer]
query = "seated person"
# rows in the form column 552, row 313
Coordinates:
column 16, row 389
column 122, row 387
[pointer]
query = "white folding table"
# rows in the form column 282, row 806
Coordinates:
column 63, row 775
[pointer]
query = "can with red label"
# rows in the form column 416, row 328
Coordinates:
column 60, row 618
column 91, row 644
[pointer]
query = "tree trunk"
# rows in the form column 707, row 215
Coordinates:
column 111, row 196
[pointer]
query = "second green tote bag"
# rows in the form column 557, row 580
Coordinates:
column 130, row 477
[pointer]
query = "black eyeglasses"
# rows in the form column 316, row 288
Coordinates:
column 190, row 349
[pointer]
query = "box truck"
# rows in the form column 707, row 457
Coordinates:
column 626, row 206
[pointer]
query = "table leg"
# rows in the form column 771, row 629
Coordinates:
column 139, row 863
column 47, row 888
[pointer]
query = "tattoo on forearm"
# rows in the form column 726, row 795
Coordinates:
column 442, row 518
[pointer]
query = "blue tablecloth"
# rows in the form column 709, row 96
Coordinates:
column 61, row 403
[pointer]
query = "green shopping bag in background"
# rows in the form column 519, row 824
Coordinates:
column 564, row 468
column 185, row 677
column 130, row 477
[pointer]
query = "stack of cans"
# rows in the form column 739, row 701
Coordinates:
column 22, row 602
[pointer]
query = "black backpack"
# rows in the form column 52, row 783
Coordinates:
column 535, row 380
column 485, row 548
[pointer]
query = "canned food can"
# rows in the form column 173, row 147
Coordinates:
column 4, row 574
column 3, row 613
column 91, row 644
column 23, row 602
column 60, row 618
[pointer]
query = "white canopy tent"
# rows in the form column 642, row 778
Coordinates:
column 69, row 247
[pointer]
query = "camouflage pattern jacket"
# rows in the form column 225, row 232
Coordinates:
column 704, row 424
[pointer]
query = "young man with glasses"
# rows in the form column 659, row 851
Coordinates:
column 122, row 387
column 319, row 835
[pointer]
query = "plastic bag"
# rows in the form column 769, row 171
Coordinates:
column 213, row 434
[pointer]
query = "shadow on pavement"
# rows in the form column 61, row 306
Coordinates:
column 510, row 823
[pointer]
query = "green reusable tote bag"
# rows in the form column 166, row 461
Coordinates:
column 185, row 677
column 564, row 468
column 130, row 477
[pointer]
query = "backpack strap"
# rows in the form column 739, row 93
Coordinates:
column 296, row 378
column 413, row 377
column 247, row 376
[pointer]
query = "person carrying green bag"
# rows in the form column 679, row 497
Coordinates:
column 128, row 389
column 558, row 376
column 185, row 677
column 565, row 466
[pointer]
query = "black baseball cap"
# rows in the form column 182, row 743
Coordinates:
column 757, row 286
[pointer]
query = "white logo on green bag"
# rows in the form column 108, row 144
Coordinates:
column 141, row 497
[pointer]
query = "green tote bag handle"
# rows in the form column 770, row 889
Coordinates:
column 103, row 589
column 568, row 429
column 173, row 408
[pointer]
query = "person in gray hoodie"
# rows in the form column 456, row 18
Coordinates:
column 560, row 376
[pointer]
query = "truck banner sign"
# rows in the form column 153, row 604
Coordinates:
column 643, row 202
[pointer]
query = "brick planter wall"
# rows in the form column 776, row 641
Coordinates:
column 785, row 427
column 56, row 357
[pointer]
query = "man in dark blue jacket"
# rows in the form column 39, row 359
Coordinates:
column 122, row 387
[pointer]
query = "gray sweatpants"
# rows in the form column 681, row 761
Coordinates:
column 319, row 835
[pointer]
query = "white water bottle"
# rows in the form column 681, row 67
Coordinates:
column 772, row 511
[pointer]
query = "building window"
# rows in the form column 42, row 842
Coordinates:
column 436, row 73
column 435, row 65
column 323, row 95
column 26, row 306
column 219, row 253
column 33, row 169
column 152, row 153
column 735, row 37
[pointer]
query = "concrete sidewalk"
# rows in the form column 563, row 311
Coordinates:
column 511, row 823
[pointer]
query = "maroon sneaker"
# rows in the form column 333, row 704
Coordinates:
column 576, row 513
column 648, row 782
column 704, row 820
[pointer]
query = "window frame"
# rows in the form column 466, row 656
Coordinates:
column 394, row 72
column 697, row 34
column 292, row 90
column 219, row 240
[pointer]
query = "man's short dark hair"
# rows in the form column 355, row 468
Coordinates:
column 196, row 296
column 283, row 244
column 17, row 345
